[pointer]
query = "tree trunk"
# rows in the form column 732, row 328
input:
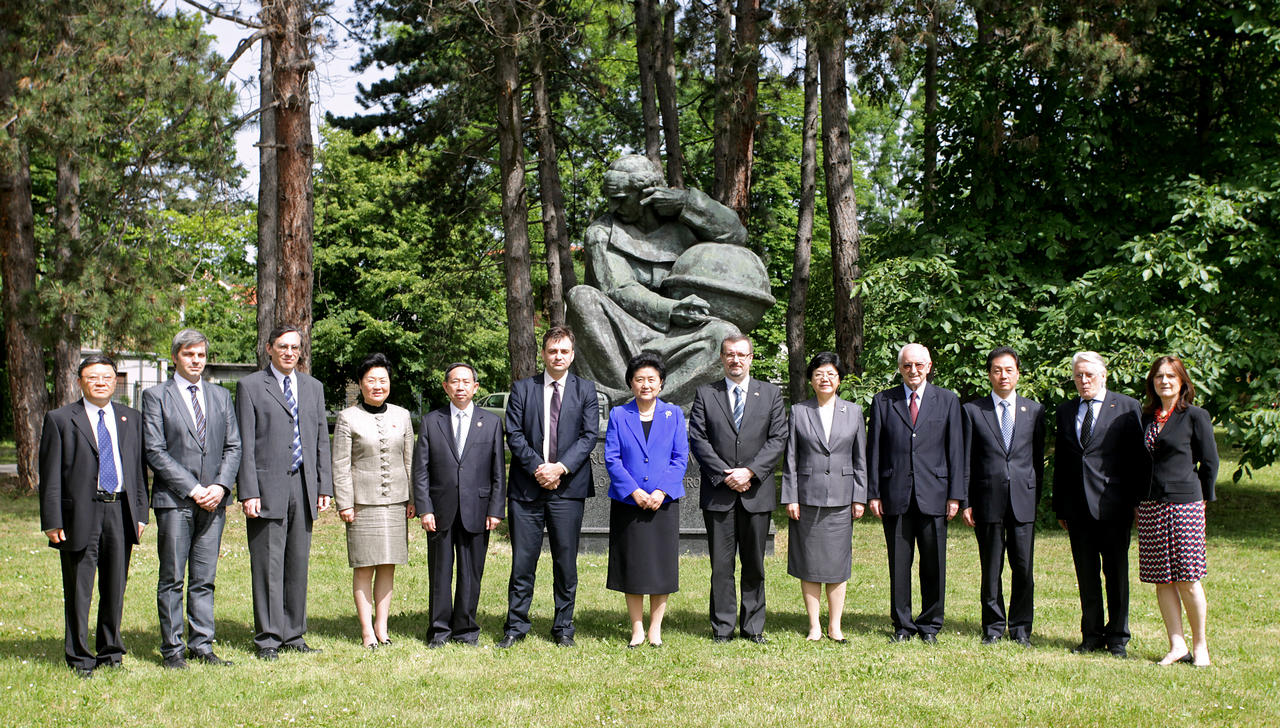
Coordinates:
column 796, row 354
column 930, row 112
column 515, row 223
column 69, row 261
column 667, row 97
column 555, row 234
column 723, row 98
column 28, row 395
column 292, row 70
column 647, row 36
column 741, row 111
column 842, row 206
column 268, row 206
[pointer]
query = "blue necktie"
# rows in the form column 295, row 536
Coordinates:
column 1006, row 425
column 107, row 477
column 297, row 439
column 738, row 406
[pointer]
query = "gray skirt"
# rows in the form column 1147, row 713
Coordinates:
column 379, row 535
column 820, row 544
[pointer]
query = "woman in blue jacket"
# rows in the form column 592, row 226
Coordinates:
column 646, row 449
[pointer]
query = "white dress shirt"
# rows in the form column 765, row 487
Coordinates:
column 293, row 383
column 546, row 412
column 466, row 423
column 827, row 412
column 184, row 384
column 1096, row 404
column 92, row 411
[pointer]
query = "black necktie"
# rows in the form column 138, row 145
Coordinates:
column 553, row 437
column 1086, row 427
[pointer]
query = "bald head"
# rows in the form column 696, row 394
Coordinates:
column 914, row 364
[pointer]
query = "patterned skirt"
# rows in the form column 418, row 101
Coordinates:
column 1171, row 542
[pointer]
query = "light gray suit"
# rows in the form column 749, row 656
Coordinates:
column 186, row 534
column 825, row 475
column 280, row 538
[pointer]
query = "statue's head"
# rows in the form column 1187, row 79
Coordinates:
column 625, row 179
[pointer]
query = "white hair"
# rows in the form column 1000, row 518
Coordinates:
column 903, row 351
column 1091, row 357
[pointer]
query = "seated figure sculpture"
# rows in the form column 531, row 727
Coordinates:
column 666, row 272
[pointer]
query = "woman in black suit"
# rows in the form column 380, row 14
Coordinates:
column 824, row 486
column 1171, row 544
column 646, row 449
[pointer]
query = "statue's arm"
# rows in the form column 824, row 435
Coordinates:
column 615, row 278
column 710, row 221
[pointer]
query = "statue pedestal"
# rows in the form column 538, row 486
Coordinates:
column 693, row 532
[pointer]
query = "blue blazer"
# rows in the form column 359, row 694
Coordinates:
column 658, row 463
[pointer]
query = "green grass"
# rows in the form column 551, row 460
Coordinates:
column 690, row 681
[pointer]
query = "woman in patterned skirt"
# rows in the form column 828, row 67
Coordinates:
column 1184, row 467
column 372, row 458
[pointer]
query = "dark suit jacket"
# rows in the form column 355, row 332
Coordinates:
column 657, row 463
column 924, row 463
column 999, row 480
column 173, row 450
column 577, row 433
column 1184, row 463
column 821, row 471
column 447, row 485
column 69, row 473
column 1105, row 479
column 266, row 435
column 718, row 446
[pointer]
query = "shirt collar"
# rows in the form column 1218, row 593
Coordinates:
column 280, row 376
column 745, row 386
column 453, row 410
column 92, row 409
column 183, row 382
column 997, row 399
column 919, row 392
column 1102, row 395
column 547, row 380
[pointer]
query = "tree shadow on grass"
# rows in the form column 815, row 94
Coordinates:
column 1246, row 511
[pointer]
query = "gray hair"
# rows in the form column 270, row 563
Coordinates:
column 185, row 338
column 927, row 356
column 1091, row 357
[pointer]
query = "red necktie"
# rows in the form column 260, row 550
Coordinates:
column 914, row 409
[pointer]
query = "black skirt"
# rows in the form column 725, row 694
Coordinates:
column 644, row 548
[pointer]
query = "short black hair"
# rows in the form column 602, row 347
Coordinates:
column 281, row 330
column 449, row 369
column 556, row 333
column 824, row 358
column 1000, row 351
column 92, row 359
column 643, row 360
column 373, row 361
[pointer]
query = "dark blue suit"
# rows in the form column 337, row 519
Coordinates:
column 914, row 471
column 559, row 511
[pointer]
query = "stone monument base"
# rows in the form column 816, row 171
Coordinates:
column 693, row 531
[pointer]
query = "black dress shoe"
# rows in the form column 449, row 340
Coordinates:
column 84, row 673
column 209, row 658
column 720, row 639
column 175, row 662
column 1117, row 651
column 988, row 639
column 1024, row 641
column 929, row 638
column 900, row 637
column 565, row 640
column 756, row 638
column 1086, row 647
column 302, row 647
column 268, row 653
column 436, row 644
column 508, row 640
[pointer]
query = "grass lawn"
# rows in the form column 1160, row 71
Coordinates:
column 690, row 681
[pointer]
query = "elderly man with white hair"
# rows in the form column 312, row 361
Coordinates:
column 915, row 484
column 1100, row 464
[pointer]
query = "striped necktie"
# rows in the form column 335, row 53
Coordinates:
column 195, row 407
column 289, row 399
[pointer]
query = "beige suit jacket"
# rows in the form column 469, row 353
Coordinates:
column 372, row 457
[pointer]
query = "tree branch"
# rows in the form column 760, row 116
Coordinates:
column 217, row 12
column 244, row 45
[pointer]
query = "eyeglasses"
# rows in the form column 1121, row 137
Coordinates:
column 100, row 380
column 913, row 365
column 733, row 355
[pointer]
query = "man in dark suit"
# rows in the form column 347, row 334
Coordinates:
column 286, row 480
column 93, row 507
column 1004, row 436
column 915, row 483
column 553, row 421
column 737, row 431
column 458, row 489
column 193, row 447
column 1099, row 468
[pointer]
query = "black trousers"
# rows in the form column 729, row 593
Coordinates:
column 279, row 553
column 732, row 536
column 1018, row 540
column 561, row 518
column 903, row 533
column 453, row 610
column 107, row 558
column 1100, row 548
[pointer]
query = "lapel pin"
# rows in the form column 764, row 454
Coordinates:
column 479, row 423
column 1022, row 409
column 667, row 413
column 123, row 418
column 755, row 394
column 842, row 408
